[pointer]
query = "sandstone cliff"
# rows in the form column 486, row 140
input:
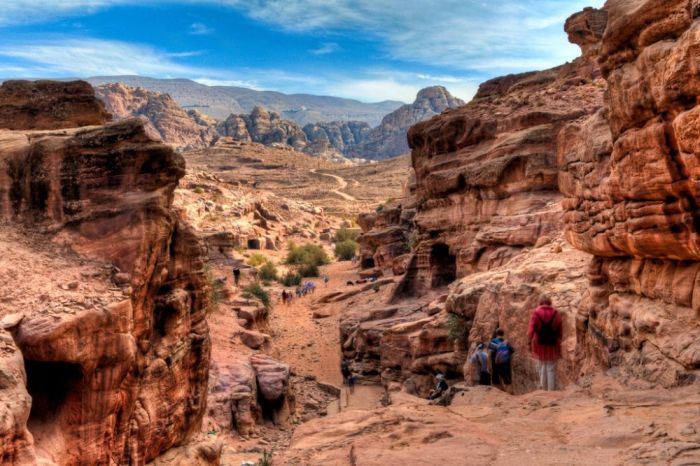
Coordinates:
column 485, row 210
column 263, row 127
column 339, row 136
column 103, row 292
column 163, row 118
column 630, row 179
column 389, row 138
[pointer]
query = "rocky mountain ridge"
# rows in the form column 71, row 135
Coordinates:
column 165, row 119
column 221, row 101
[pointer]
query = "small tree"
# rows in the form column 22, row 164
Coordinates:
column 291, row 279
column 346, row 250
column 456, row 328
column 256, row 291
column 268, row 272
column 308, row 270
column 256, row 259
column 344, row 234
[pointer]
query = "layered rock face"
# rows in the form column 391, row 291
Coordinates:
column 49, row 105
column 486, row 174
column 485, row 210
column 389, row 138
column 263, row 127
column 121, row 376
column 163, row 118
column 337, row 136
column 630, row 178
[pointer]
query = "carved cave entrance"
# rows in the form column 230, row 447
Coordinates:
column 367, row 263
column 443, row 266
column 56, row 389
column 254, row 244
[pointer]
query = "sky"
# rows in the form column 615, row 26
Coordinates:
column 369, row 50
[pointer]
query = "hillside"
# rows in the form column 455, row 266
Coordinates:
column 221, row 101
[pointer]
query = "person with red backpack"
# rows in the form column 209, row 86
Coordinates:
column 545, row 334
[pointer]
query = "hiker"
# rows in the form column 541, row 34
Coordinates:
column 501, row 355
column 480, row 363
column 440, row 388
column 285, row 297
column 236, row 275
column 326, row 279
column 545, row 334
column 348, row 378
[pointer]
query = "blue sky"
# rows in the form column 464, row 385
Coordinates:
column 370, row 50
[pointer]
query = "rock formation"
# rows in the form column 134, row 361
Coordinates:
column 389, row 138
column 485, row 210
column 629, row 176
column 263, row 127
column 49, row 105
column 118, row 370
column 163, row 118
column 338, row 136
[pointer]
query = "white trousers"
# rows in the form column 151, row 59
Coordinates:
column 548, row 375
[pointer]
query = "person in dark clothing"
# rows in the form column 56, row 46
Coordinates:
column 236, row 275
column 480, row 363
column 440, row 388
column 348, row 378
column 501, row 355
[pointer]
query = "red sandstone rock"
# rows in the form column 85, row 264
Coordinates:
column 122, row 377
column 32, row 105
column 163, row 118
column 630, row 175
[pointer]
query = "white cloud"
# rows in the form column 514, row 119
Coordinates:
column 463, row 34
column 325, row 48
column 92, row 57
column 200, row 29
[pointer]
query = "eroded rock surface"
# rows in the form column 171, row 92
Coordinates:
column 119, row 375
column 163, row 118
column 630, row 175
column 389, row 138
column 28, row 105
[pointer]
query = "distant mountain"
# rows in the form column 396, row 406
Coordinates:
column 389, row 138
column 221, row 101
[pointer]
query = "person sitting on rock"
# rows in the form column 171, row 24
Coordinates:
column 440, row 387
column 501, row 354
column 545, row 334
column 480, row 365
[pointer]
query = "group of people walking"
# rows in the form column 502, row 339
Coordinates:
column 492, row 362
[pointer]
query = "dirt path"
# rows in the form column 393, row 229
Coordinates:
column 342, row 184
column 312, row 345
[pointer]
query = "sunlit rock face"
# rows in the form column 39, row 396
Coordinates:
column 122, row 376
column 630, row 177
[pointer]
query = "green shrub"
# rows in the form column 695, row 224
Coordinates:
column 198, row 191
column 291, row 279
column 308, row 270
column 456, row 327
column 256, row 259
column 344, row 234
column 256, row 291
column 266, row 459
column 309, row 254
column 214, row 289
column 346, row 250
column 268, row 272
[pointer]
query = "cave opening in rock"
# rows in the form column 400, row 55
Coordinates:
column 367, row 263
column 51, row 385
column 165, row 319
column 254, row 244
column 271, row 410
column 443, row 265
